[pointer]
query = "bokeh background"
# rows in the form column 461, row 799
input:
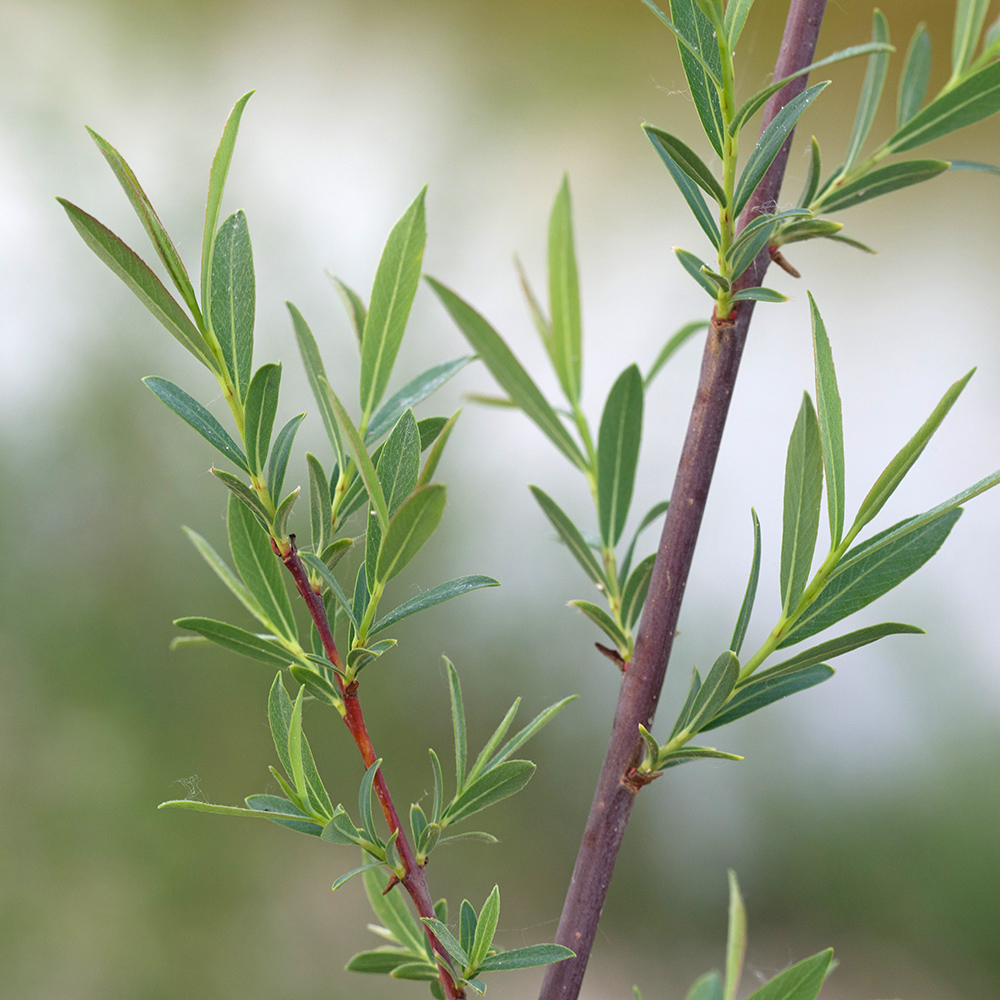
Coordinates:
column 867, row 812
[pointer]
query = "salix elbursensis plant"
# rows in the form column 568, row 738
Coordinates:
column 852, row 574
column 377, row 464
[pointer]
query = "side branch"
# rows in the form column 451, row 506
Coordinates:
column 414, row 881
column 616, row 788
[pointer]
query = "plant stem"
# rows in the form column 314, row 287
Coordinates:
column 414, row 880
column 619, row 782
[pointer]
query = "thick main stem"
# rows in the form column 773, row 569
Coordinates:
column 414, row 881
column 618, row 783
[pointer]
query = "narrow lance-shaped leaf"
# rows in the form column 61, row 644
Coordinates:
column 193, row 413
column 916, row 73
column 871, row 91
column 688, row 160
column 903, row 461
column 688, row 188
column 618, row 453
column 564, row 296
column 571, row 536
column 712, row 694
column 697, row 268
column 436, row 595
column 770, row 142
column 671, row 346
column 399, row 463
column 245, row 495
column 507, row 370
column 437, row 450
column 765, row 689
column 969, row 18
column 316, row 373
column 261, row 407
column 758, row 294
column 457, row 724
column 216, row 185
column 606, row 624
column 803, row 492
column 413, row 524
column 636, row 589
column 526, row 958
column 467, row 921
column 226, row 575
column 802, row 981
column 976, row 98
column 706, row 987
column 395, row 286
column 881, row 181
column 319, row 567
column 448, row 940
column 736, row 939
column 651, row 515
column 538, row 317
column 150, row 221
column 837, row 647
column 233, row 299
column 239, row 640
column 496, row 784
column 140, row 280
column 749, row 596
column 280, row 454
column 319, row 503
column 736, row 16
column 831, row 426
column 365, row 802
column 812, row 177
column 522, row 736
column 356, row 311
column 486, row 927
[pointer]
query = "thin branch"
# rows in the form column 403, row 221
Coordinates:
column 414, row 881
column 617, row 786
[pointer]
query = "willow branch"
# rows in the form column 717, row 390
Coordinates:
column 619, row 783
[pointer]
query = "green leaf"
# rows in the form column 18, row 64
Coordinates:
column 736, row 16
column 770, row 142
column 802, row 981
column 325, row 574
column 413, row 524
column 399, row 462
column 395, row 286
column 279, row 717
column 679, row 338
column 881, row 181
column 279, row 456
column 418, row 822
column 902, row 462
column 246, row 496
column 361, row 597
column 260, row 569
column 736, row 938
column 702, row 65
column 916, row 73
column 226, row 575
column 486, row 927
column 870, row 570
column 706, row 987
column 750, row 595
column 975, row 98
column 986, row 168
column 682, row 717
column 140, row 280
column 506, row 369
column 842, row 644
column 493, row 742
column 758, row 294
column 803, row 493
column 392, row 911
column 284, row 813
column 564, row 296
column 239, row 640
column 755, row 237
column 365, row 802
column 969, row 18
column 542, row 324
column 712, row 694
column 304, row 774
column 319, row 685
column 207, row 807
column 150, row 222
column 755, row 103
column 526, row 958
column 831, row 426
column 871, row 91
column 359, row 454
column 522, row 736
column 811, row 229
column 361, row 656
column 486, row 838
column 316, row 373
column 193, row 413
column 319, row 503
column 467, row 922
column 618, row 453
column 233, row 299
column 697, row 268
column 415, row 391
column 687, row 187
column 606, row 624
column 570, row 534
column 812, row 177
column 451, row 945
column 347, row 876
column 261, row 407
column 437, row 449
column 651, row 515
column 380, row 961
column 688, row 160
column 336, row 551
column 498, row 783
column 356, row 311
column 689, row 753
column 457, row 724
column 438, row 787
column 634, row 595
column 216, row 185
column 436, row 595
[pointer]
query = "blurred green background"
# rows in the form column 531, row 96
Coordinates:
column 867, row 812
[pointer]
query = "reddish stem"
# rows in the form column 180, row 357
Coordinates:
column 619, row 784
column 414, row 880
